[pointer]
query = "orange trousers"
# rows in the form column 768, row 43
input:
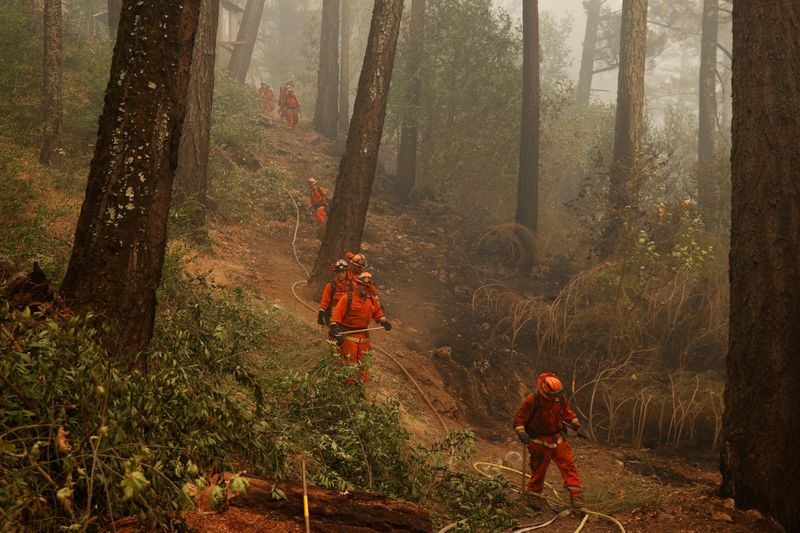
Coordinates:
column 562, row 456
column 352, row 351
column 321, row 215
column 291, row 118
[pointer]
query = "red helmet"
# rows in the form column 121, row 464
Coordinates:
column 359, row 260
column 550, row 386
column 365, row 278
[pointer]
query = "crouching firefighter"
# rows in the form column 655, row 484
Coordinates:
column 541, row 423
column 354, row 311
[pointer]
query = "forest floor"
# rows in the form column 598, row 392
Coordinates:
column 427, row 271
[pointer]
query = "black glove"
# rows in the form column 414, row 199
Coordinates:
column 387, row 325
column 321, row 318
column 335, row 332
column 523, row 437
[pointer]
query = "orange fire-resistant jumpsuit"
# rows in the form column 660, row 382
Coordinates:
column 292, row 109
column 319, row 203
column 267, row 93
column 544, row 423
column 333, row 292
column 361, row 311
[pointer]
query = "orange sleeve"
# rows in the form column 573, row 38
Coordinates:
column 340, row 309
column 327, row 296
column 568, row 413
column 525, row 411
column 377, row 312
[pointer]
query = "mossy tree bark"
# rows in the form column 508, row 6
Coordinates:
column 762, row 393
column 357, row 169
column 121, row 236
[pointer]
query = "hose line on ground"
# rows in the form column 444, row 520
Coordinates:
column 519, row 472
column 312, row 309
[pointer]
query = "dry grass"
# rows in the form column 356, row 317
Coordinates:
column 646, row 336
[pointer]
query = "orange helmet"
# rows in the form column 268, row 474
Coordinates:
column 550, row 386
column 312, row 181
column 365, row 278
column 340, row 265
column 359, row 260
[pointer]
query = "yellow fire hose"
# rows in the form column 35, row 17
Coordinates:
column 583, row 510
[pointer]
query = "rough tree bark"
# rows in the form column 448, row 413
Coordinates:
column 407, row 154
column 584, row 90
column 120, row 240
column 114, row 10
column 762, row 394
column 326, row 114
column 357, row 170
column 344, row 67
column 623, row 191
column 53, row 103
column 191, row 177
column 528, row 182
column 707, row 190
column 248, row 31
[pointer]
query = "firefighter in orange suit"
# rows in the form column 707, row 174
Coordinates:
column 358, row 262
column 541, row 423
column 266, row 92
column 333, row 291
column 354, row 311
column 320, row 199
column 292, row 107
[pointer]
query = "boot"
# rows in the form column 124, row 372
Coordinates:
column 577, row 501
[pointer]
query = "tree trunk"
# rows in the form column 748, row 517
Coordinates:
column 707, row 190
column 120, row 240
column 357, row 170
column 528, row 182
column 248, row 31
column 407, row 154
column 584, row 91
column 114, row 9
column 326, row 114
column 623, row 191
column 762, row 393
column 191, row 177
column 53, row 104
column 344, row 67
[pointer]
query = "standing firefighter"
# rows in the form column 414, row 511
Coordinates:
column 358, row 263
column 292, row 107
column 354, row 311
column 333, row 291
column 320, row 198
column 541, row 423
column 269, row 97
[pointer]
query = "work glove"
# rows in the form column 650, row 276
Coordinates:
column 523, row 437
column 387, row 325
column 321, row 318
column 336, row 333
